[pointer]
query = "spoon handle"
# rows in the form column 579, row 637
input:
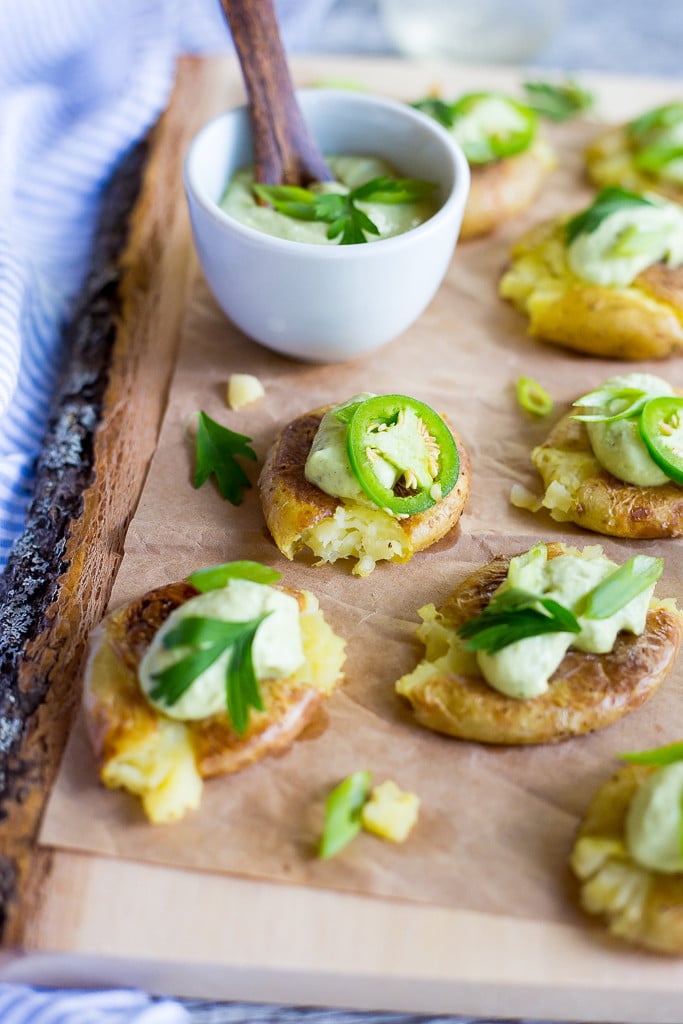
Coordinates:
column 285, row 152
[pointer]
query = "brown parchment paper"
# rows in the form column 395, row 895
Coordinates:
column 496, row 824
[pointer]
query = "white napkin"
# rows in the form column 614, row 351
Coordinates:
column 80, row 80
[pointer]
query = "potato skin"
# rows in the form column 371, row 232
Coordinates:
column 292, row 505
column 503, row 188
column 117, row 713
column 602, row 503
column 641, row 321
column 587, row 691
column 659, row 924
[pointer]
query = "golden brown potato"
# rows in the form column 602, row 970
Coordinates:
column 609, row 161
column 299, row 515
column 641, row 321
column 579, row 490
column 638, row 904
column 504, row 188
column 163, row 760
column 587, row 692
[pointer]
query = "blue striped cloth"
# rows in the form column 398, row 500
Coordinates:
column 79, row 81
column 20, row 1004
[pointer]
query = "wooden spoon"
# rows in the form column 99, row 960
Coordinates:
column 285, row 152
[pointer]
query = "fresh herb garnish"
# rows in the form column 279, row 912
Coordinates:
column 622, row 586
column 656, row 122
column 345, row 413
column 514, row 615
column 438, row 109
column 343, row 813
column 207, row 639
column 660, row 756
column 608, row 201
column 217, row 451
column 340, row 210
column 635, row 399
column 558, row 102
column 532, row 397
column 656, row 158
column 215, row 577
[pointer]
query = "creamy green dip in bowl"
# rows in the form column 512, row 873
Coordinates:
column 327, row 302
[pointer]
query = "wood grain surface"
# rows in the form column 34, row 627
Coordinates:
column 102, row 432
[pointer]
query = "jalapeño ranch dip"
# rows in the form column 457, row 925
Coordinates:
column 617, row 420
column 391, row 212
column 522, row 669
column 653, row 821
column 277, row 647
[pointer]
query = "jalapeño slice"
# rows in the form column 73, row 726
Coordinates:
column 490, row 126
column 661, row 428
column 407, row 436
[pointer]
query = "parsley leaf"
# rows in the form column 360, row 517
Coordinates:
column 207, row 639
column 514, row 615
column 558, row 102
column 657, row 121
column 217, row 450
column 339, row 209
column 438, row 109
column 608, row 201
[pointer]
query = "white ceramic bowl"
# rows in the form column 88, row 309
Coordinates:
column 327, row 303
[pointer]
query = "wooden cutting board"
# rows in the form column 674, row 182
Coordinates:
column 81, row 919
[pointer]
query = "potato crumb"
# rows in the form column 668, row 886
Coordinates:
column 243, row 389
column 390, row 813
column 522, row 497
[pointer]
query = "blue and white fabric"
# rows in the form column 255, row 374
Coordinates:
column 20, row 1004
column 80, row 80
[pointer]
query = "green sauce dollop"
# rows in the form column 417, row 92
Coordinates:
column 351, row 172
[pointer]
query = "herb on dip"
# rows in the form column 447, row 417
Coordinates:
column 368, row 201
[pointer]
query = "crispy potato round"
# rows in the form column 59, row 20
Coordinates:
column 641, row 321
column 295, row 509
column 504, row 188
column 637, row 903
column 579, row 490
column 587, row 691
column 609, row 161
column 140, row 748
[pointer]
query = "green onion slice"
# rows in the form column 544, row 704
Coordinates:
column 622, row 586
column 343, row 813
column 635, row 399
column 659, row 756
column 532, row 397
column 217, row 576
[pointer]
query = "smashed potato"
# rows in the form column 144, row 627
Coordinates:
column 638, row 904
column 579, row 490
column 586, row 692
column 504, row 188
column 163, row 761
column 641, row 321
column 610, row 161
column 300, row 515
